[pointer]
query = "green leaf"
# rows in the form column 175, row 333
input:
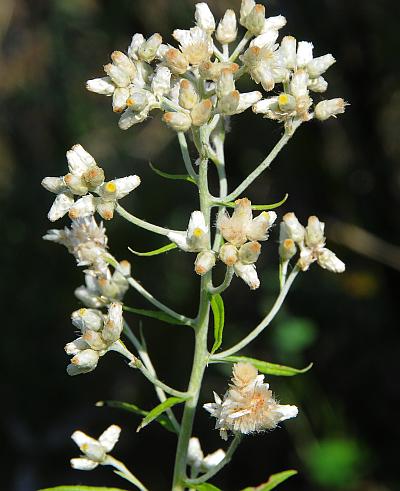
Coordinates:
column 273, row 481
column 269, row 368
column 175, row 177
column 158, row 410
column 80, row 488
column 163, row 420
column 205, row 486
column 217, row 306
column 156, row 252
column 272, row 206
column 155, row 314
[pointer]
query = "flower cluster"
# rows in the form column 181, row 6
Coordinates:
column 311, row 242
column 196, row 459
column 84, row 178
column 248, row 406
column 242, row 233
column 99, row 334
column 95, row 451
column 194, row 81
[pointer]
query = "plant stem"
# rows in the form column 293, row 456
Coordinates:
column 240, row 47
column 141, row 223
column 264, row 323
column 186, row 157
column 224, row 285
column 264, row 165
column 201, row 354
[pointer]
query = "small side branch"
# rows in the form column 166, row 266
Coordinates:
column 264, row 323
column 141, row 223
column 186, row 157
column 225, row 284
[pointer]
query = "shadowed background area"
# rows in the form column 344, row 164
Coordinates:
column 346, row 171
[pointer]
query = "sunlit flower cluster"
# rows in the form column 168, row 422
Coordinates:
column 195, row 80
column 84, row 178
column 248, row 406
column 99, row 334
column 311, row 242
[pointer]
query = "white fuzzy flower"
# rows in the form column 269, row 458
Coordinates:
column 227, row 28
column 94, row 451
column 204, row 17
column 195, row 44
column 196, row 237
column 248, row 406
column 248, row 273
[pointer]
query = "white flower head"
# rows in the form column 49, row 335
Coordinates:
column 227, row 28
column 204, row 17
column 196, row 238
column 94, row 451
column 248, row 406
column 195, row 44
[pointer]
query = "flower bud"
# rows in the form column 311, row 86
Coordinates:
column 85, row 319
column 228, row 254
column 137, row 101
column 76, row 184
column 75, row 346
column 212, row 70
column 161, row 82
column 249, row 252
column 314, row 232
column 82, row 208
column 320, row 65
column 258, row 229
column 287, row 249
column 177, row 121
column 304, row 53
column 227, row 28
column 247, row 99
column 318, row 85
column 328, row 260
column 188, row 97
column 86, row 359
column 101, row 86
column 54, row 184
column 287, row 51
column 197, row 233
column 119, row 76
column 94, row 340
column 176, row 61
column 286, row 102
column 94, row 451
column 120, row 97
column 291, row 228
column 245, row 8
column 94, row 177
column 121, row 61
column 204, row 17
column 225, row 83
column 137, row 41
column 148, row 49
column 229, row 103
column 205, row 261
column 325, row 109
column 248, row 273
column 254, row 22
column 201, row 112
column 105, row 209
column 299, row 83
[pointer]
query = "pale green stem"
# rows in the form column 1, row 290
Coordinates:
column 225, row 284
column 264, row 165
column 144, row 356
column 218, row 54
column 148, row 296
column 283, row 267
column 240, row 47
column 264, row 323
column 141, row 223
column 225, row 51
column 124, row 472
column 201, row 354
column 185, row 155
column 228, row 457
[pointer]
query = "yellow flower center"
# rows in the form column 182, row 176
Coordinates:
column 110, row 187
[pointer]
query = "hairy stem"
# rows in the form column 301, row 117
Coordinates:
column 186, row 157
column 141, row 223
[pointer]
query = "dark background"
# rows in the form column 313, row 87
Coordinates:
column 346, row 171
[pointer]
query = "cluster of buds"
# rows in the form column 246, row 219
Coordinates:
column 311, row 242
column 99, row 334
column 243, row 234
column 248, row 406
column 196, row 459
column 84, row 178
column 196, row 239
column 195, row 80
column 94, row 452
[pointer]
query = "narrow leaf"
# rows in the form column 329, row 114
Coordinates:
column 218, row 309
column 205, row 486
column 80, row 488
column 163, row 420
column 273, row 481
column 158, row 410
column 154, row 314
column 156, row 252
column 272, row 206
column 175, row 177
column 269, row 368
